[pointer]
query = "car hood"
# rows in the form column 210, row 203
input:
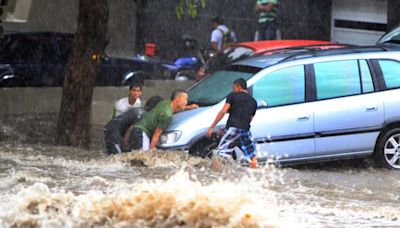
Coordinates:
column 192, row 117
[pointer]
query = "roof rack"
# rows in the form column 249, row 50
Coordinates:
column 318, row 53
column 305, row 47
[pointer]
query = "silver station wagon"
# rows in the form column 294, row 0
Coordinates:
column 312, row 106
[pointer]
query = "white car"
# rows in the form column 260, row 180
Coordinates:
column 313, row 106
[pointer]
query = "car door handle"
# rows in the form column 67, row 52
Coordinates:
column 371, row 109
column 303, row 118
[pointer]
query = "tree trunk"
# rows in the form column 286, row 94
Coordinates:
column 73, row 128
column 140, row 16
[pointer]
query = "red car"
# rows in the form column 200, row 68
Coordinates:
column 239, row 51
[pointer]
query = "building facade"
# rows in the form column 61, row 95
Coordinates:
column 344, row 21
column 61, row 16
column 359, row 22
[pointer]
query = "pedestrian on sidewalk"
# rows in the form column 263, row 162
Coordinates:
column 267, row 11
column 221, row 35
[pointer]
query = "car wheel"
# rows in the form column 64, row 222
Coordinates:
column 181, row 78
column 185, row 75
column 388, row 149
column 12, row 83
column 203, row 148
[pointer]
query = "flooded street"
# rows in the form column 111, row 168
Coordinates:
column 42, row 185
column 51, row 186
column 316, row 79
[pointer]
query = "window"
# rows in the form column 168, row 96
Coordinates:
column 18, row 11
column 215, row 87
column 26, row 50
column 391, row 73
column 282, row 87
column 366, row 78
column 337, row 79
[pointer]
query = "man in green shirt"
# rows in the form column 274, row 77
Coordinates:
column 145, row 134
column 267, row 11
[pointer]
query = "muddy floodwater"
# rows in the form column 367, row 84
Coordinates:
column 42, row 185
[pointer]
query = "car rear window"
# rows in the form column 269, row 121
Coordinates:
column 390, row 70
column 337, row 79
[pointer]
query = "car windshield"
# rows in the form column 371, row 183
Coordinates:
column 227, row 56
column 391, row 37
column 216, row 87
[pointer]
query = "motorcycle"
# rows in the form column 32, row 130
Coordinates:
column 186, row 67
column 182, row 69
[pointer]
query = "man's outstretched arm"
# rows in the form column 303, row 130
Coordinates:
column 218, row 118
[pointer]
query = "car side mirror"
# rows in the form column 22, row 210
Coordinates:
column 262, row 104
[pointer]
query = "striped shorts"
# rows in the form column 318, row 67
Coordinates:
column 238, row 144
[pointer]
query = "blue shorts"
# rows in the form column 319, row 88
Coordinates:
column 238, row 144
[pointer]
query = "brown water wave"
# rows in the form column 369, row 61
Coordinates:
column 50, row 186
column 179, row 201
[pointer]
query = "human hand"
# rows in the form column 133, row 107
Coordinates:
column 192, row 106
column 268, row 8
column 209, row 132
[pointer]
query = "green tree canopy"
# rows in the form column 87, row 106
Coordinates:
column 183, row 7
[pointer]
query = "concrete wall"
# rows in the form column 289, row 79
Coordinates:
column 305, row 19
column 20, row 101
column 61, row 16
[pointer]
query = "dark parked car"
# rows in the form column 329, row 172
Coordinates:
column 40, row 58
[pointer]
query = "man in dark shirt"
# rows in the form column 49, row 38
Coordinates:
column 237, row 141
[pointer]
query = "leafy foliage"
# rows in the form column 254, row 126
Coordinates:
column 189, row 7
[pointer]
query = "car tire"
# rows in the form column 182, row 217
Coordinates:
column 203, row 148
column 387, row 153
column 12, row 83
column 181, row 78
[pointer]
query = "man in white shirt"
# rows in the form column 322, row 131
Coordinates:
column 221, row 35
column 132, row 101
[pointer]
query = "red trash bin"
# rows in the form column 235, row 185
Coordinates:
column 150, row 49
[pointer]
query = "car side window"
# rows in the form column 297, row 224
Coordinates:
column 282, row 87
column 366, row 78
column 64, row 49
column 27, row 50
column 48, row 51
column 390, row 71
column 337, row 79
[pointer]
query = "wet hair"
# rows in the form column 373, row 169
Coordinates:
column 177, row 93
column 133, row 85
column 240, row 82
column 218, row 20
column 152, row 102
